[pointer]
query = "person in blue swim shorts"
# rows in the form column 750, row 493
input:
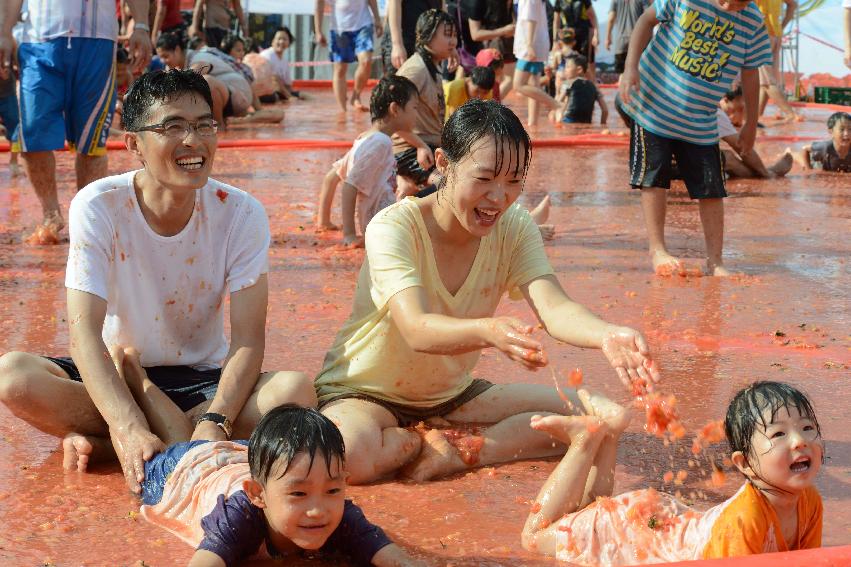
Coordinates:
column 66, row 55
column 351, row 39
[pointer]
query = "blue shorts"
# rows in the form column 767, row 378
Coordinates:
column 346, row 45
column 9, row 114
column 67, row 93
column 533, row 67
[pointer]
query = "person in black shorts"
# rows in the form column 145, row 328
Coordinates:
column 579, row 15
column 491, row 24
column 400, row 43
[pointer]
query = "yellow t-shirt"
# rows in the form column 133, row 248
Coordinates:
column 370, row 356
column 455, row 94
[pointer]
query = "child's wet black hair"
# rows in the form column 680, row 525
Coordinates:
column 483, row 77
column 171, row 41
column 161, row 86
column 836, row 118
column 427, row 25
column 230, row 41
column 285, row 432
column 390, row 89
column 477, row 119
column 745, row 412
column 579, row 60
column 730, row 96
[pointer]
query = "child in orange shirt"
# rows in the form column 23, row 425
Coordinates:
column 776, row 444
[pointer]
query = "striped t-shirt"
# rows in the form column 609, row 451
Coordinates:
column 691, row 62
column 44, row 20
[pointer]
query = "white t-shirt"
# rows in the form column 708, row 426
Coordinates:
column 280, row 65
column 43, row 20
column 349, row 15
column 725, row 126
column 165, row 294
column 532, row 10
column 370, row 168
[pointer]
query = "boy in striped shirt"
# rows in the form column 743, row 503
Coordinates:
column 670, row 89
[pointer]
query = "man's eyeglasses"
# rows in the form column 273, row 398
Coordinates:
column 180, row 129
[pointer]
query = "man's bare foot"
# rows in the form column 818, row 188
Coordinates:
column 664, row 264
column 616, row 416
column 782, row 166
column 437, row 458
column 717, row 270
column 80, row 451
column 47, row 233
column 358, row 105
column 326, row 227
column 548, row 231
column 541, row 212
column 569, row 428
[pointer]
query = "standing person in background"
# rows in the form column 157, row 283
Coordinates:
column 579, row 15
column 622, row 17
column 167, row 19
column 491, row 22
column 770, row 77
column 401, row 42
column 351, row 32
column 216, row 19
column 67, row 88
column 531, row 48
column 846, row 16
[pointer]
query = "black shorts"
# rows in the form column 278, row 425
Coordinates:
column 214, row 36
column 183, row 385
column 700, row 166
column 408, row 166
column 620, row 62
column 583, row 45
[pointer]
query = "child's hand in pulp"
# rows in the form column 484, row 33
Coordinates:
column 514, row 339
column 629, row 355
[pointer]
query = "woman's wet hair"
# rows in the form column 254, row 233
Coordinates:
column 478, row 119
column 836, row 118
column 158, row 87
column 230, row 41
column 285, row 432
column 390, row 89
column 428, row 23
column 171, row 41
column 749, row 408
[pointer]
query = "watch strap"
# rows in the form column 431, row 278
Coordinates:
column 221, row 421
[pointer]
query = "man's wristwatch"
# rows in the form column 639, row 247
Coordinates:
column 142, row 27
column 221, row 421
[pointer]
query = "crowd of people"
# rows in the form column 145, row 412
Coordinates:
column 222, row 453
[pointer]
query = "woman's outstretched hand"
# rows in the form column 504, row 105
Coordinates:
column 629, row 355
column 514, row 339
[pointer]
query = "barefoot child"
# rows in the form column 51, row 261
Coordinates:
column 281, row 496
column 368, row 170
column 750, row 165
column 833, row 154
column 776, row 444
column 414, row 150
column 578, row 94
column 670, row 88
column 436, row 268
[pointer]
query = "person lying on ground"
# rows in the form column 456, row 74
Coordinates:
column 435, row 271
column 833, row 154
column 153, row 254
column 775, row 442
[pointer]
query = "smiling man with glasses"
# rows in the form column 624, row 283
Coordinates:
column 153, row 254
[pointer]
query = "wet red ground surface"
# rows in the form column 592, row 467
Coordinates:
column 711, row 337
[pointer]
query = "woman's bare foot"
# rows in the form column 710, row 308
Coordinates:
column 79, row 451
column 541, row 212
column 616, row 416
column 437, row 458
column 326, row 227
column 664, row 264
column 569, row 428
column 782, row 166
column 358, row 105
column 718, row 270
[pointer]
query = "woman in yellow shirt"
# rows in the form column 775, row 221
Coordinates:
column 435, row 271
